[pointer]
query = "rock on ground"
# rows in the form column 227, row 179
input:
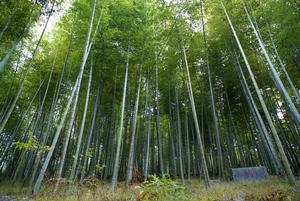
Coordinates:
column 14, row 198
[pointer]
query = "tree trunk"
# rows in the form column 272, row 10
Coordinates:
column 212, row 101
column 117, row 158
column 159, row 138
column 267, row 114
column 277, row 79
column 132, row 143
column 191, row 96
column 5, row 119
column 61, row 124
column 82, row 126
column 179, row 136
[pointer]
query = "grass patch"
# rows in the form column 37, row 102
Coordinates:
column 273, row 189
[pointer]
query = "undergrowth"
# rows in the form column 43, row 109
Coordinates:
column 161, row 189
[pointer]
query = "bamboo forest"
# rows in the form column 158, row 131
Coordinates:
column 150, row 100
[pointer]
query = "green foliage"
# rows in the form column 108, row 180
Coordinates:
column 270, row 190
column 99, row 167
column 161, row 188
column 89, row 153
column 30, row 145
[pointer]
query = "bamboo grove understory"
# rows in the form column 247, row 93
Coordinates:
column 120, row 90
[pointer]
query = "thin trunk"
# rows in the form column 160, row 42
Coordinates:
column 260, row 123
column 117, row 158
column 110, row 141
column 5, row 27
column 212, row 101
column 132, row 143
column 65, row 112
column 277, row 79
column 187, row 141
column 90, row 130
column 191, row 96
column 148, row 130
column 68, row 134
column 82, row 126
column 7, row 56
column 283, row 68
column 5, row 119
column 159, row 138
column 42, row 141
column 267, row 114
column 179, row 136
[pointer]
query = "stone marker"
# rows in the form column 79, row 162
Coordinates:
column 249, row 173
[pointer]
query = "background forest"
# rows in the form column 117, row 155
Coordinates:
column 120, row 90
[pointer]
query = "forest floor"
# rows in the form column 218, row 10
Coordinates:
column 272, row 189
